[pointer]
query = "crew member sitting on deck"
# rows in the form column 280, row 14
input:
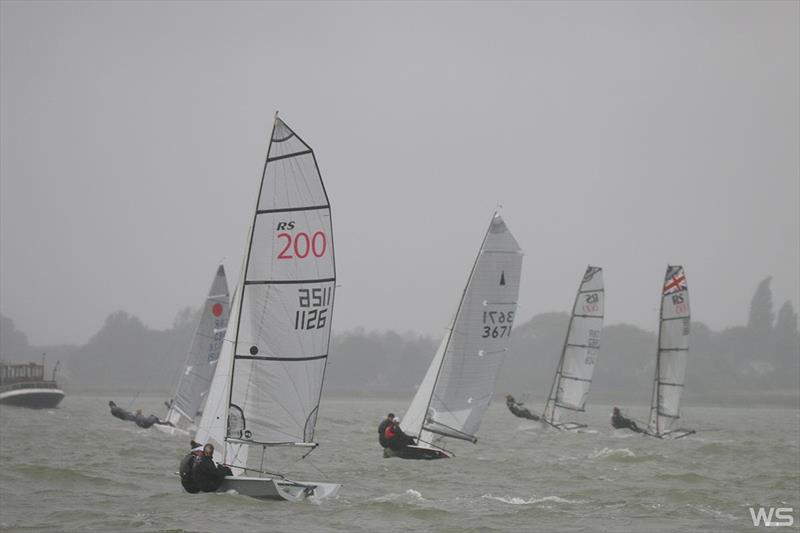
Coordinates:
column 382, row 429
column 518, row 410
column 206, row 474
column 394, row 436
column 187, row 464
column 620, row 422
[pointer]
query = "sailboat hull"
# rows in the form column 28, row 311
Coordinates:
column 415, row 452
column 263, row 488
column 35, row 398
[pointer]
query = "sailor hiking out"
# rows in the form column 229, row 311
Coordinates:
column 518, row 410
column 620, row 422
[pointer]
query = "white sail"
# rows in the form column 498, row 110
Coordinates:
column 581, row 349
column 201, row 360
column 673, row 348
column 459, row 384
column 284, row 325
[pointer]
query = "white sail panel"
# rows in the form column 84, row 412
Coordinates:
column 292, row 246
column 284, row 327
column 201, row 360
column 673, row 348
column 414, row 418
column 581, row 348
column 286, row 321
column 479, row 338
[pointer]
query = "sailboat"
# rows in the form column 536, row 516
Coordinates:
column 457, row 389
column 673, row 349
column 201, row 361
column 579, row 355
column 267, row 386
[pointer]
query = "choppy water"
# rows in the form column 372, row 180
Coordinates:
column 78, row 469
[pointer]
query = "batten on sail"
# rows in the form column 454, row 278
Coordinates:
column 579, row 354
column 459, row 383
column 671, row 358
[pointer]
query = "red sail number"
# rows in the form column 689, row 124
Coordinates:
column 301, row 244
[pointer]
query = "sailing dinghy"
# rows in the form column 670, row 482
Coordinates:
column 673, row 349
column 268, row 382
column 579, row 355
column 459, row 384
column 201, row 361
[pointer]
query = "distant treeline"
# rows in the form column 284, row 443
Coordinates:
column 754, row 364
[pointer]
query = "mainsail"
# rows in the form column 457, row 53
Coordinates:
column 579, row 355
column 458, row 386
column 202, row 358
column 673, row 347
column 268, row 383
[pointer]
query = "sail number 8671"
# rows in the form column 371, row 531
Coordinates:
column 497, row 324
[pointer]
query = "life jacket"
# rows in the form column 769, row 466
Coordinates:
column 389, row 432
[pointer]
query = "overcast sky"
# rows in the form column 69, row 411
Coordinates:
column 626, row 135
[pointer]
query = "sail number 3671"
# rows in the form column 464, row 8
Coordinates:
column 497, row 324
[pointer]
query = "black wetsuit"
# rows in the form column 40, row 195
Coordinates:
column 146, row 421
column 381, row 430
column 121, row 413
column 620, row 422
column 520, row 411
column 187, row 479
column 207, row 475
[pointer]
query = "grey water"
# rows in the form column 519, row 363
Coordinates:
column 76, row 468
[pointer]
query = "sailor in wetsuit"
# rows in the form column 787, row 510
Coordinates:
column 120, row 413
column 518, row 410
column 187, row 465
column 382, row 429
column 394, row 436
column 206, row 474
column 620, row 422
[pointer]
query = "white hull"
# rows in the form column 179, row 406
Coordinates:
column 33, row 397
column 264, row 488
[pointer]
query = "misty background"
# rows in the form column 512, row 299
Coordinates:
column 755, row 364
column 625, row 135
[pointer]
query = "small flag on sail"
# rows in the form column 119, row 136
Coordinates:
column 502, row 277
column 675, row 282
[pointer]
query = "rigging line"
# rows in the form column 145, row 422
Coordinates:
column 436, row 446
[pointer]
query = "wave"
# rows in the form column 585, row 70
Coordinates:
column 522, row 501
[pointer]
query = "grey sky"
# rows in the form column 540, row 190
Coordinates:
column 627, row 135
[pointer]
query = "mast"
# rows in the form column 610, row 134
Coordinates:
column 551, row 400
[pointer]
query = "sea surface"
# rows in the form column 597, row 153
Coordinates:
column 76, row 468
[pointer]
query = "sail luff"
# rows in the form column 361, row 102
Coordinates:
column 455, row 320
column 551, row 399
column 246, row 264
